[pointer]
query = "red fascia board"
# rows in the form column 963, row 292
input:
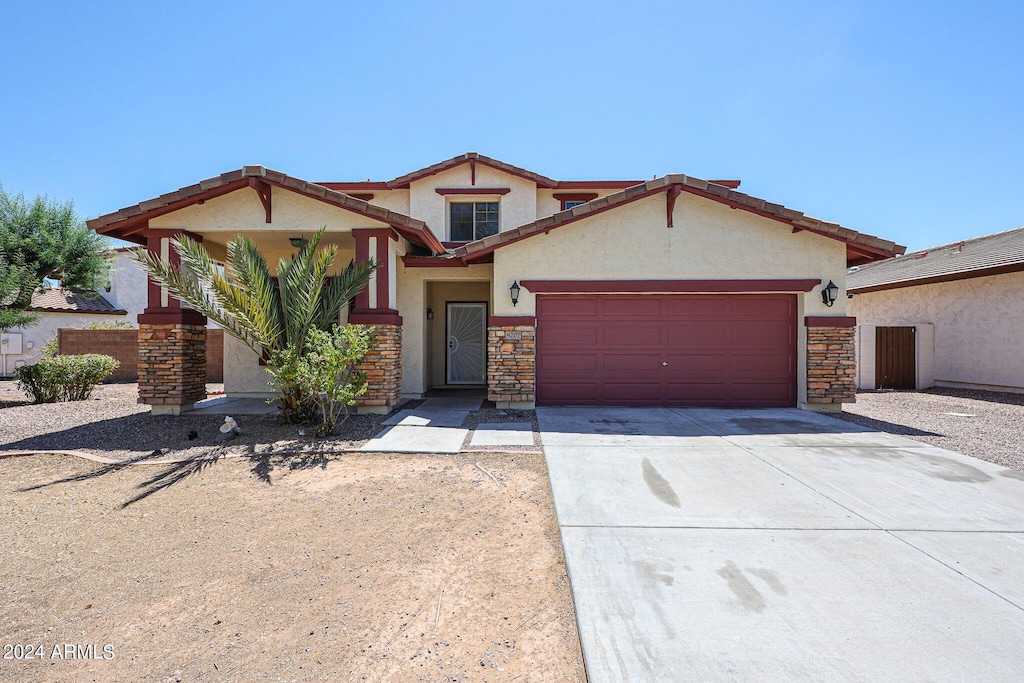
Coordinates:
column 143, row 217
column 432, row 262
column 574, row 196
column 669, row 286
column 596, row 184
column 363, row 185
column 512, row 321
column 736, row 205
column 826, row 321
column 472, row 190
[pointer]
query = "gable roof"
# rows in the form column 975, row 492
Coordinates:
column 474, row 158
column 56, row 300
column 133, row 219
column 1002, row 252
column 860, row 247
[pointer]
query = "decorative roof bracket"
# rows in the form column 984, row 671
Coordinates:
column 263, row 190
column 670, row 200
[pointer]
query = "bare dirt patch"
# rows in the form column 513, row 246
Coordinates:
column 366, row 567
column 113, row 424
column 988, row 425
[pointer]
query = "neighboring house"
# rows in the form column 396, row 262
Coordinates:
column 674, row 291
column 949, row 316
column 56, row 309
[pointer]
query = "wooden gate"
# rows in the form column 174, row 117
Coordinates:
column 895, row 358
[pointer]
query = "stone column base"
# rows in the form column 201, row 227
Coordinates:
column 172, row 366
column 383, row 368
column 831, row 368
column 512, row 366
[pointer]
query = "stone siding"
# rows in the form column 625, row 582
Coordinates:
column 383, row 368
column 831, row 365
column 172, row 364
column 512, row 364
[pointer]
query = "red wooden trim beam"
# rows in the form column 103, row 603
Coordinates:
column 574, row 196
column 472, row 190
column 670, row 286
column 362, row 256
column 826, row 321
column 374, row 318
column 431, row 262
column 383, row 270
column 670, row 201
column 263, row 192
column 144, row 216
column 511, row 321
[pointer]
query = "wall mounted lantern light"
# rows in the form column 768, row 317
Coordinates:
column 829, row 293
column 514, row 291
column 430, row 313
column 297, row 242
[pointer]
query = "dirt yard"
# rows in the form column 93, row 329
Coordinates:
column 343, row 568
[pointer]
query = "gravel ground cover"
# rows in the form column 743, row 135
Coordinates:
column 337, row 568
column 988, row 425
column 114, row 425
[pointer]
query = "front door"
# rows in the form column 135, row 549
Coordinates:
column 467, row 343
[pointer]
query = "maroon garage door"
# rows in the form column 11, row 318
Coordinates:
column 687, row 350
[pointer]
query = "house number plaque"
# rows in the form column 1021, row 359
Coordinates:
column 514, row 336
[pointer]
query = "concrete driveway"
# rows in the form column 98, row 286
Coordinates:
column 779, row 545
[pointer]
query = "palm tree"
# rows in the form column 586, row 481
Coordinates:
column 267, row 314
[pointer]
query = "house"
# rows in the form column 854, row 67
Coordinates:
column 122, row 301
column 948, row 316
column 674, row 291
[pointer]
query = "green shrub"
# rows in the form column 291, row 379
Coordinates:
column 65, row 378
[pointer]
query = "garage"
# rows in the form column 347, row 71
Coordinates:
column 736, row 350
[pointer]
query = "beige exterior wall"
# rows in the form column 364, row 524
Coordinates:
column 129, row 286
column 242, row 211
column 710, row 241
column 412, row 305
column 516, row 208
column 396, row 200
column 979, row 326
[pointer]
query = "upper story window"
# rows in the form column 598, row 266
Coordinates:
column 569, row 204
column 472, row 220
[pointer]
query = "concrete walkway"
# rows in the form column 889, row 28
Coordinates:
column 431, row 427
column 772, row 545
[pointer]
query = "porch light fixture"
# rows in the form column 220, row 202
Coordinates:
column 514, row 291
column 297, row 242
column 430, row 313
column 829, row 293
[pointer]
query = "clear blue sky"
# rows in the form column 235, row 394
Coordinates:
column 900, row 119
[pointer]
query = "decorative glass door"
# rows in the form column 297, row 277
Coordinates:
column 467, row 343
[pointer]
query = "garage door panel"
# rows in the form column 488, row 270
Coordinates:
column 569, row 362
column 641, row 335
column 720, row 350
column 573, row 336
column 752, row 334
column 631, row 362
column 632, row 306
column 574, row 306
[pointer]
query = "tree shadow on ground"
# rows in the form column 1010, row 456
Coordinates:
column 172, row 474
column 264, row 465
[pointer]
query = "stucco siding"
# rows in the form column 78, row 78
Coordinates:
column 128, row 286
column 979, row 326
column 412, row 305
column 709, row 241
column 242, row 211
column 516, row 208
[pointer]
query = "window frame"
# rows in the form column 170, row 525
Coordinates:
column 474, row 202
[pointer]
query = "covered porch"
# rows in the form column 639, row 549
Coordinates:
column 277, row 212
